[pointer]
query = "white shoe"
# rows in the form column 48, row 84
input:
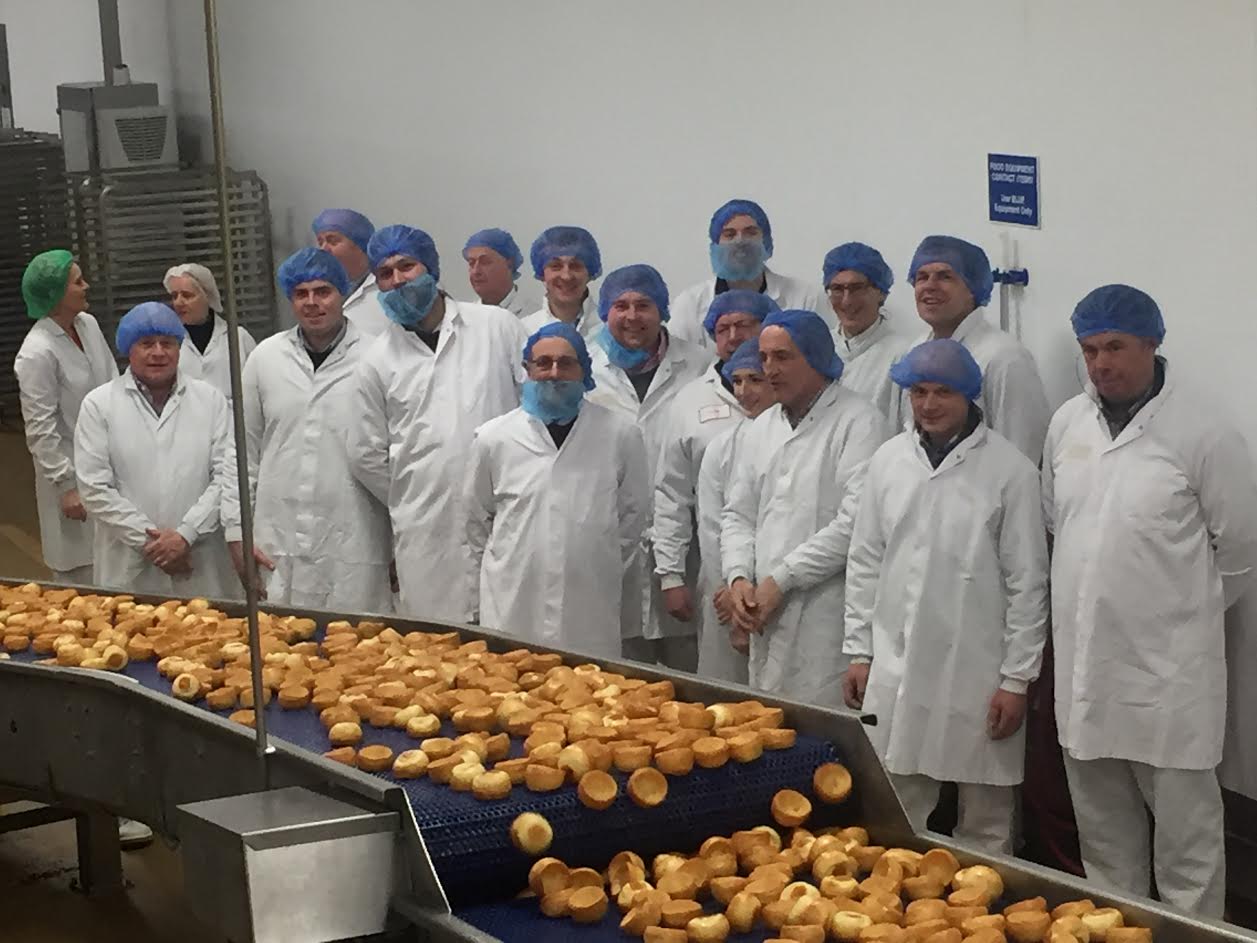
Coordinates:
column 133, row 834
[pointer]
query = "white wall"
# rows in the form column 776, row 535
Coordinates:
column 847, row 119
column 56, row 41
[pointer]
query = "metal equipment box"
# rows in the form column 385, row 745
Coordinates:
column 288, row 866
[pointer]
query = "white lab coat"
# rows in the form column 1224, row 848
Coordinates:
column 519, row 304
column 789, row 512
column 364, row 311
column 689, row 308
column 1156, row 533
column 53, row 376
column 214, row 366
column 717, row 658
column 947, row 595
column 866, row 363
column 327, row 535
column 411, row 440
column 588, row 324
column 681, row 363
column 556, row 534
column 1013, row 401
column 701, row 410
column 137, row 470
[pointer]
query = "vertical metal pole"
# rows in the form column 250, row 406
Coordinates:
column 110, row 38
column 237, row 396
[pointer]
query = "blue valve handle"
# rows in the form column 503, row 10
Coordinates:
column 1016, row 276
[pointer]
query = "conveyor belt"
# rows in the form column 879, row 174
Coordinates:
column 468, row 839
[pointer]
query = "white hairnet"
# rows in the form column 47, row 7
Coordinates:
column 202, row 276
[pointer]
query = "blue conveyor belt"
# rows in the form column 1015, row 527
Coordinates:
column 468, row 839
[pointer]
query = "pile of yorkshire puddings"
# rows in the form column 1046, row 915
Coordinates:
column 577, row 724
column 807, row 887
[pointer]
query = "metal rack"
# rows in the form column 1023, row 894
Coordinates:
column 130, row 227
column 34, row 217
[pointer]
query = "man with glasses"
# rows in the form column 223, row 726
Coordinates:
column 557, row 498
column 857, row 280
column 952, row 281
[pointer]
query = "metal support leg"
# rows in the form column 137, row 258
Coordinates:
column 100, row 855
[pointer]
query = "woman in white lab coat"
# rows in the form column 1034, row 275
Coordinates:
column 63, row 357
column 154, row 456
column 557, row 498
column 326, row 538
column 640, row 368
column 721, row 656
column 791, row 505
column 204, row 356
column 946, row 608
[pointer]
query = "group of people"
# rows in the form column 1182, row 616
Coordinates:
column 745, row 480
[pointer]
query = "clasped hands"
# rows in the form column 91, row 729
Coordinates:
column 167, row 550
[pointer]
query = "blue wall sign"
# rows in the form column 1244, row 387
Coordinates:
column 1013, row 185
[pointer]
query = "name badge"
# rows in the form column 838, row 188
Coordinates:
column 716, row 411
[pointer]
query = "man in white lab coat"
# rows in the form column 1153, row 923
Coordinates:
column 441, row 369
column 947, row 600
column 63, row 357
column 566, row 260
column 722, row 646
column 1150, row 494
column 558, row 497
column 952, row 281
column 702, row 409
column 346, row 234
column 639, row 369
column 741, row 245
column 857, row 281
column 493, row 260
column 321, row 535
column 154, row 456
column 791, row 505
column 205, row 354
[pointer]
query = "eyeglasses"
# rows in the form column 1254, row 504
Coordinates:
column 725, row 327
column 566, row 364
column 837, row 291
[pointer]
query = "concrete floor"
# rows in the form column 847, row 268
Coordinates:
column 19, row 522
column 38, row 871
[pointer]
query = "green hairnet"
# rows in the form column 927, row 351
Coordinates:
column 44, row 282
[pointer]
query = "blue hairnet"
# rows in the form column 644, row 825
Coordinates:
column 857, row 257
column 404, row 240
column 572, row 336
column 559, row 241
column 813, row 338
column 968, row 261
column 501, row 242
column 349, row 223
column 311, row 265
column 640, row 278
column 738, row 301
column 746, row 357
column 147, row 320
column 942, row 361
column 742, row 208
column 1118, row 308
